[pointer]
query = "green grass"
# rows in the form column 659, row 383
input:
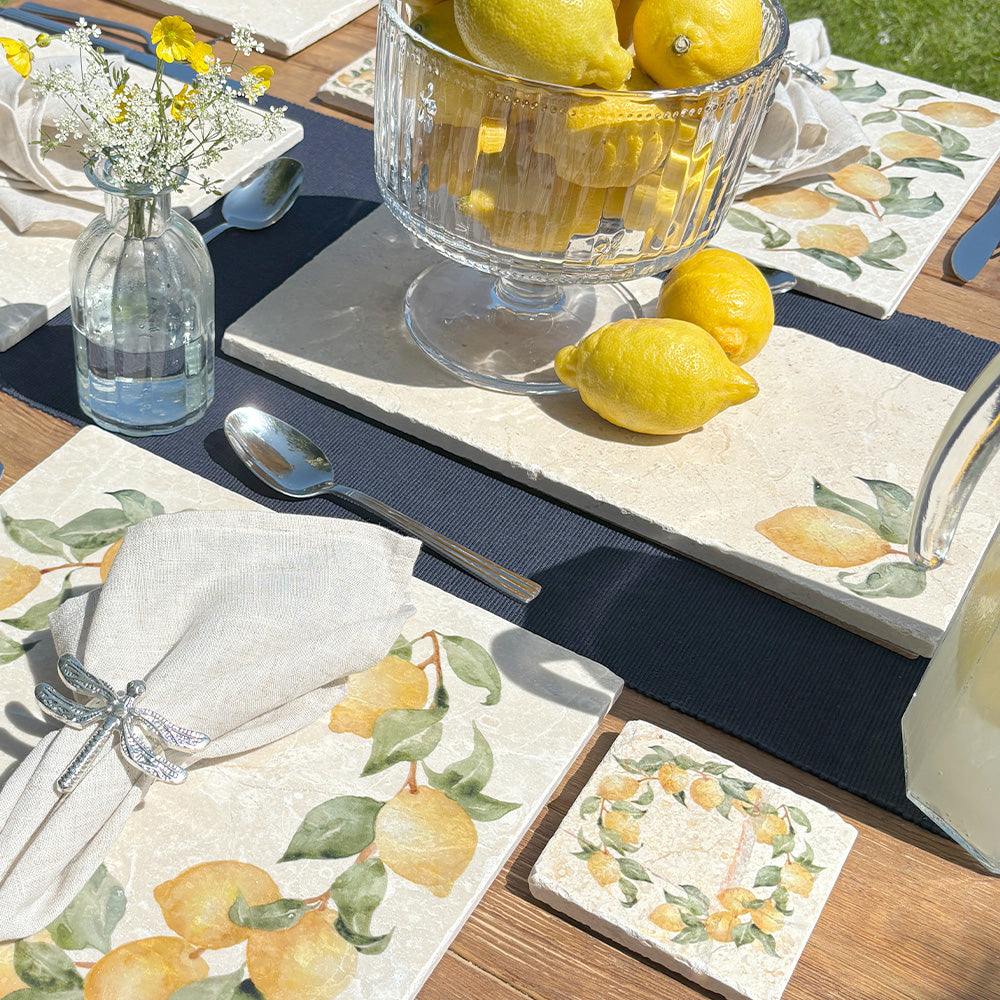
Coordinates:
column 954, row 43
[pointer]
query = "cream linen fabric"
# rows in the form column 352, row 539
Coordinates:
column 44, row 195
column 807, row 131
column 244, row 625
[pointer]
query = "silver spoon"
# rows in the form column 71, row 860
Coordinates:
column 290, row 463
column 261, row 199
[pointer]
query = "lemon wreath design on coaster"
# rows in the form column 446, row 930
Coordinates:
column 739, row 914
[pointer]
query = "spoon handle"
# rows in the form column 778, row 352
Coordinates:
column 518, row 587
column 214, row 231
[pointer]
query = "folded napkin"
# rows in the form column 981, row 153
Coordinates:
column 244, row 626
column 807, row 131
column 47, row 194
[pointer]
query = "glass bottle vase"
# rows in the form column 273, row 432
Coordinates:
column 143, row 308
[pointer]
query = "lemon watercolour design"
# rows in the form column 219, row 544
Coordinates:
column 744, row 911
column 842, row 532
column 922, row 142
column 64, row 549
column 292, row 948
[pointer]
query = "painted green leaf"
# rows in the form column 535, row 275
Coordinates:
column 358, row 892
column 776, row 237
column 645, row 796
column 898, row 579
column 742, row 935
column 276, row 916
column 633, row 870
column 35, row 535
column 915, row 95
column 878, row 262
column 629, row 808
column 36, row 618
column 964, row 157
column 747, row 222
column 698, row 902
column 590, row 805
column 92, row 531
column 680, row 798
column 831, row 259
column 931, row 165
column 482, row 808
column 714, row 767
column 823, row 496
column 918, row 126
column 735, row 787
column 137, row 506
column 683, row 761
column 473, row 664
column 653, row 761
column 952, row 143
column 587, row 847
column 725, row 806
column 403, row 734
column 10, row 650
column 767, row 940
column 213, row 988
column 872, row 159
column 29, row 993
column 844, row 201
column 612, row 839
column 782, row 844
column 630, row 891
column 337, row 828
column 799, row 817
column 847, row 90
column 92, row 915
column 768, row 875
column 45, row 967
column 691, row 935
column 878, row 117
column 402, row 648
column 899, row 202
column 780, row 899
column 469, row 775
column 886, row 248
column 631, row 766
column 894, row 504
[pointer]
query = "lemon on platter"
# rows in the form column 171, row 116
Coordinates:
column 724, row 294
column 654, row 376
column 437, row 25
column 687, row 43
column 569, row 42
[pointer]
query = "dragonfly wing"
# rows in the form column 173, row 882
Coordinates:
column 72, row 671
column 175, row 736
column 138, row 752
column 65, row 709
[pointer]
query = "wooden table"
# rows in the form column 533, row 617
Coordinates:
column 911, row 917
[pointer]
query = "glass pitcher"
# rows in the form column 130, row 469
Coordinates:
column 951, row 728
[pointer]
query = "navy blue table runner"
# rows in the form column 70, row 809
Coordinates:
column 747, row 663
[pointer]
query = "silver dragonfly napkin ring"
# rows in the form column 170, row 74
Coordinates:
column 142, row 733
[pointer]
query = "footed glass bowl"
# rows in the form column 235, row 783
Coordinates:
column 544, row 198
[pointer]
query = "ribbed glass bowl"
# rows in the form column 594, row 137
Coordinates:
column 544, row 198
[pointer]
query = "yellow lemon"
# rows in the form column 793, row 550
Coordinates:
column 823, row 537
column 861, row 180
column 797, row 878
column 667, row 916
column 959, row 113
column 686, row 43
column 570, row 42
column 798, row 203
column 903, row 145
column 654, row 376
column 719, row 926
column 726, row 295
column 849, row 241
column 391, row 683
column 16, row 581
column 617, row 787
column 153, row 968
column 672, row 778
column 706, row 792
column 603, row 868
column 627, row 827
column 437, row 25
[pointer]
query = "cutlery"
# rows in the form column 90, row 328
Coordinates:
column 262, row 199
column 976, row 244
column 69, row 18
column 289, row 462
column 778, row 281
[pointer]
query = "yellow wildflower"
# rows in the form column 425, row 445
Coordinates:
column 18, row 55
column 262, row 74
column 200, row 55
column 43, row 41
column 181, row 104
column 122, row 109
column 174, row 39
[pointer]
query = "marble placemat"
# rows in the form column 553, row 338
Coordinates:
column 352, row 88
column 34, row 278
column 292, row 820
column 694, row 863
column 859, row 428
column 860, row 237
column 283, row 28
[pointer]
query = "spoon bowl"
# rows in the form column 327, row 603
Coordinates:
column 289, row 462
column 262, row 199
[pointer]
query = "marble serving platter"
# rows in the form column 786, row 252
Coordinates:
column 861, row 239
column 283, row 28
column 823, row 413
column 515, row 700
column 34, row 278
column 694, row 863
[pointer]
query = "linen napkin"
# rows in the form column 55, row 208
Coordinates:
column 49, row 195
column 807, row 131
column 243, row 624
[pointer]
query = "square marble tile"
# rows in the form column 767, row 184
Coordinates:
column 521, row 710
column 336, row 328
column 34, row 278
column 352, row 88
column 694, row 863
column 859, row 237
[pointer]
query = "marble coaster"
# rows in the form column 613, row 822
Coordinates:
column 295, row 817
column 352, row 88
column 694, row 863
column 859, row 429
column 859, row 237
column 283, row 28
column 34, row 278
